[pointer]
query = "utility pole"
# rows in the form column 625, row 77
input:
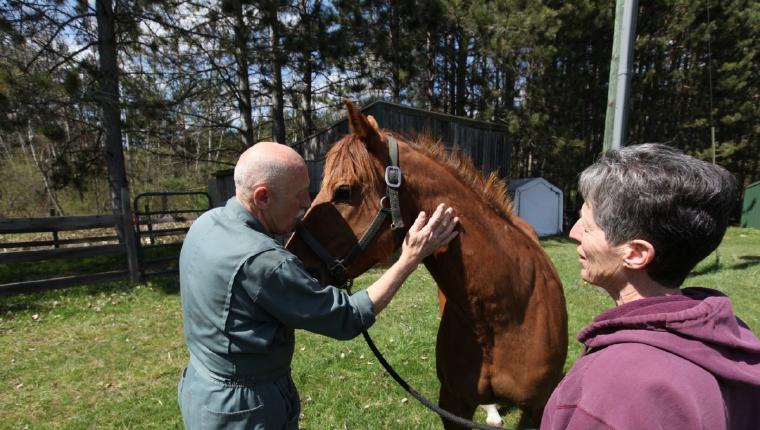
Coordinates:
column 616, row 121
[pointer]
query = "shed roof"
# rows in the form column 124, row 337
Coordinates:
column 515, row 184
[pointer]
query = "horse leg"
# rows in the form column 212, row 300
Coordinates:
column 441, row 301
column 454, row 404
column 530, row 418
column 492, row 415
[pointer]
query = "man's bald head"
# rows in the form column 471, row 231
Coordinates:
column 266, row 163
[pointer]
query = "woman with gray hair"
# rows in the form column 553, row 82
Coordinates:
column 664, row 357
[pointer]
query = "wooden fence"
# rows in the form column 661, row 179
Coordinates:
column 97, row 236
column 56, row 249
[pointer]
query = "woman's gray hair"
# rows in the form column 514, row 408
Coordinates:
column 657, row 193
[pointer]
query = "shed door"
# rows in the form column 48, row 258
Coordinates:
column 539, row 206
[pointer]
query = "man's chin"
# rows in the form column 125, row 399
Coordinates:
column 289, row 230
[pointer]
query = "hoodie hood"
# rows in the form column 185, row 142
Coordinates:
column 699, row 326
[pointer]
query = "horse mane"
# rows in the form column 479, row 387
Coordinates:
column 491, row 188
column 348, row 159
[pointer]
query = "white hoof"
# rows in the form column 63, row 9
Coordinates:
column 492, row 415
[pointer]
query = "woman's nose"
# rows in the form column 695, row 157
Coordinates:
column 575, row 232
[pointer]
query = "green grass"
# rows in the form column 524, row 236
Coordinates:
column 109, row 356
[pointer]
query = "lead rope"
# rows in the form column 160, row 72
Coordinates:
column 430, row 405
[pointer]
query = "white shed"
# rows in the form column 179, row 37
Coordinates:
column 540, row 203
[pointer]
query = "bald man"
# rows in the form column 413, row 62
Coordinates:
column 243, row 295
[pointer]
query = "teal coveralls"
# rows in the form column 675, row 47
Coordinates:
column 242, row 297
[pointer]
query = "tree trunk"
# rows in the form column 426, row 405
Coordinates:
column 6, row 149
column 109, row 104
column 429, row 80
column 43, row 173
column 395, row 66
column 307, row 122
column 243, row 81
column 461, row 72
column 278, row 104
column 451, row 75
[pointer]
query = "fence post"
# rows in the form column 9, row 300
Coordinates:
column 54, row 231
column 130, row 241
column 151, row 237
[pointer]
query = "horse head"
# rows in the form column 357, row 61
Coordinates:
column 352, row 198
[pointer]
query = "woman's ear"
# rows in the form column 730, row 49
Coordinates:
column 637, row 254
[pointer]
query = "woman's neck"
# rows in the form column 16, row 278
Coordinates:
column 640, row 286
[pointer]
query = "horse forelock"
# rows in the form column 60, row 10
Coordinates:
column 348, row 162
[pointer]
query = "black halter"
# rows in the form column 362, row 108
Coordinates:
column 338, row 267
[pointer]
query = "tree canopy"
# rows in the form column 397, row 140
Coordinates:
column 182, row 87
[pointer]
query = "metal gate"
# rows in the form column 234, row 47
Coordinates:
column 161, row 222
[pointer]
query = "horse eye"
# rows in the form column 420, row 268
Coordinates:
column 342, row 194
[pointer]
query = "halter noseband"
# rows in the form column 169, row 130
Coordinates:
column 338, row 267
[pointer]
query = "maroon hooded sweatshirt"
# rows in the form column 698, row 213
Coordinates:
column 675, row 362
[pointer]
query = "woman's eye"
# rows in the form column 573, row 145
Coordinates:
column 342, row 194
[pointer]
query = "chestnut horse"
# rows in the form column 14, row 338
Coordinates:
column 503, row 331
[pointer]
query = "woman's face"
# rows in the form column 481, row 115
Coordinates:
column 601, row 262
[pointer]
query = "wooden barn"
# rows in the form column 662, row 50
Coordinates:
column 486, row 143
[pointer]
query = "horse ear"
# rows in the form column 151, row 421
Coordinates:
column 373, row 123
column 366, row 128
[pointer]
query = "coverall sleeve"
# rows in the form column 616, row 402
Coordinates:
column 284, row 289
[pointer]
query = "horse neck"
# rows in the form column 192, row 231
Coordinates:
column 434, row 182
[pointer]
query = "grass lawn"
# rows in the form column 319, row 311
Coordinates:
column 109, row 356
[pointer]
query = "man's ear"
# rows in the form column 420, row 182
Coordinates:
column 638, row 254
column 261, row 196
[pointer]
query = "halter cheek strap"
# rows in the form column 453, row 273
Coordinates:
column 393, row 183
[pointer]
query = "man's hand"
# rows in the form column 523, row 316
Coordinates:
column 425, row 236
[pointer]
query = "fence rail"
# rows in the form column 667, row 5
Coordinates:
column 18, row 252
column 59, row 223
column 146, row 224
column 56, row 243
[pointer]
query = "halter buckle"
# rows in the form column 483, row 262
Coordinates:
column 393, row 176
column 338, row 271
